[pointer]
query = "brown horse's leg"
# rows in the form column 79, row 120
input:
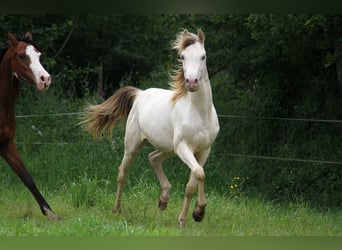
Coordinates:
column 13, row 158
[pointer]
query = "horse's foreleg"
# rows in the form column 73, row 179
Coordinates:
column 197, row 176
column 156, row 159
column 199, row 210
column 13, row 158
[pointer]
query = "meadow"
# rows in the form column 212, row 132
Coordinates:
column 77, row 175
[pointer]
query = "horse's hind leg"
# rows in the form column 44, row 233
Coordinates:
column 189, row 192
column 156, row 159
column 122, row 177
column 133, row 145
column 12, row 156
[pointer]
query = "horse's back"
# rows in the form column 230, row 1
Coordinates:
column 154, row 101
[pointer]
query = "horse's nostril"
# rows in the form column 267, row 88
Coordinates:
column 186, row 80
column 196, row 80
column 45, row 79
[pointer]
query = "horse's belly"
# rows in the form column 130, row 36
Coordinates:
column 160, row 139
column 154, row 108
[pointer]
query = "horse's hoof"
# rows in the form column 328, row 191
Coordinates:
column 182, row 224
column 117, row 207
column 116, row 210
column 51, row 215
column 54, row 217
column 198, row 213
column 162, row 205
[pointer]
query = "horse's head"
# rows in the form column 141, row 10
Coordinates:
column 192, row 56
column 25, row 62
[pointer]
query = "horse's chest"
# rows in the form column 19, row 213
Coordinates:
column 199, row 136
column 202, row 138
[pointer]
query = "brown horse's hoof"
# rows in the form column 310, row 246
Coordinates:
column 162, row 205
column 51, row 215
column 198, row 213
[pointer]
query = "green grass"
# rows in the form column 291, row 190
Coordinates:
column 140, row 216
column 77, row 175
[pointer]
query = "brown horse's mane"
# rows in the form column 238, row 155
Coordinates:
column 183, row 40
column 3, row 51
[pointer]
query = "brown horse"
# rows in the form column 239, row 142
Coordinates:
column 20, row 61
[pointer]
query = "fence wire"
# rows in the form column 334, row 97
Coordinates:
column 220, row 116
column 262, row 157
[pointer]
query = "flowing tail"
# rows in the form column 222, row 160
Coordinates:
column 99, row 120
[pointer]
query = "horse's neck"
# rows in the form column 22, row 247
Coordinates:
column 9, row 87
column 201, row 100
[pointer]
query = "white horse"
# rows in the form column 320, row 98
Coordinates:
column 181, row 121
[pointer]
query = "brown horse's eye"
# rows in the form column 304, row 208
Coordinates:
column 22, row 56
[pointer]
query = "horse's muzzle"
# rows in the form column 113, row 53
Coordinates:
column 44, row 81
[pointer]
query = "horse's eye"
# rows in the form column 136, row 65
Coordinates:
column 181, row 57
column 202, row 58
column 22, row 56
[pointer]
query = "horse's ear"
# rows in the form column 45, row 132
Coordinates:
column 185, row 32
column 12, row 39
column 28, row 35
column 200, row 35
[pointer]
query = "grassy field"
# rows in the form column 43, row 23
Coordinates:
column 79, row 183
column 141, row 217
column 77, row 175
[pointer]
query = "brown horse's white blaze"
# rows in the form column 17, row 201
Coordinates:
column 41, row 76
column 181, row 121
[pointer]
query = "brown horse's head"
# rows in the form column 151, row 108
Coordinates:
column 25, row 62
